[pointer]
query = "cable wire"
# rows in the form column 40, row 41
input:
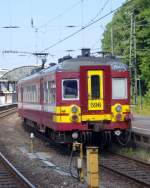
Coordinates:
column 61, row 14
column 79, row 30
column 99, row 12
column 70, row 166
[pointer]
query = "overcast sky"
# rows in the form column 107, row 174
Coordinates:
column 41, row 23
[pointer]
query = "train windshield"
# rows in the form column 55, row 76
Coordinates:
column 70, row 89
column 95, row 87
column 119, row 88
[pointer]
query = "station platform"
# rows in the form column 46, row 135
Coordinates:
column 7, row 106
column 141, row 124
column 141, row 131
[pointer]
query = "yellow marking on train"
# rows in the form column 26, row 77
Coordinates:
column 125, row 108
column 95, row 104
column 65, row 119
column 66, row 109
column 96, row 117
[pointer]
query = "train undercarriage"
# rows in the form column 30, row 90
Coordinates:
column 102, row 138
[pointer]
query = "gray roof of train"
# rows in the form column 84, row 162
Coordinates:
column 74, row 64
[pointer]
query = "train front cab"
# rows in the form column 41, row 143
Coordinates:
column 105, row 96
column 105, row 100
column 85, row 105
column 95, row 92
column 83, row 101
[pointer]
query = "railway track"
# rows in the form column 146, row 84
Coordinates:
column 132, row 169
column 5, row 111
column 127, row 167
column 10, row 176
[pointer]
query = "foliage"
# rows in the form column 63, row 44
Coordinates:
column 143, row 109
column 138, row 153
column 121, row 24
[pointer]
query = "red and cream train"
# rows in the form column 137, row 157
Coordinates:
column 77, row 98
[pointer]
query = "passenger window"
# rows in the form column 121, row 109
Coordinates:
column 45, row 92
column 70, row 89
column 51, row 91
column 119, row 88
column 95, row 87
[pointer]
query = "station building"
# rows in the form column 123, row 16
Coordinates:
column 9, row 79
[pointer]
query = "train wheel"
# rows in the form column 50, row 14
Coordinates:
column 108, row 143
column 83, row 138
column 105, row 140
column 87, row 138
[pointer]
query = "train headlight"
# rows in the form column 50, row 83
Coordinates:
column 118, row 108
column 74, row 109
column 75, row 135
column 74, row 117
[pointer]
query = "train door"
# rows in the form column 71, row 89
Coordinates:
column 95, row 89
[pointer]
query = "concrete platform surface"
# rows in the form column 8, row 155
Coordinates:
column 141, row 124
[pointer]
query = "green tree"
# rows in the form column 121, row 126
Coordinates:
column 121, row 24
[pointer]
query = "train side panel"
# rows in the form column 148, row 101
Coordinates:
column 29, row 104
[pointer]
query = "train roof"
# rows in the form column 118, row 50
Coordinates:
column 73, row 65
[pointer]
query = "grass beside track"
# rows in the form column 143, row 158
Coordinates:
column 145, row 111
column 144, row 108
column 138, row 153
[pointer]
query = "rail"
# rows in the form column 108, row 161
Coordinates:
column 7, row 112
column 135, row 170
column 22, row 181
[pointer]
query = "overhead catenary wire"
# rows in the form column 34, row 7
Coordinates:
column 100, row 11
column 125, row 28
column 79, row 30
column 60, row 15
column 86, row 26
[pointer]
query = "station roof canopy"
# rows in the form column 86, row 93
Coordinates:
column 17, row 74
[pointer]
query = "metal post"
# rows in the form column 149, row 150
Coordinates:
column 36, row 44
column 140, row 93
column 135, row 62
column 131, row 44
column 79, row 146
column 112, row 41
column 92, row 167
column 31, row 142
column 81, row 159
column 82, row 22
